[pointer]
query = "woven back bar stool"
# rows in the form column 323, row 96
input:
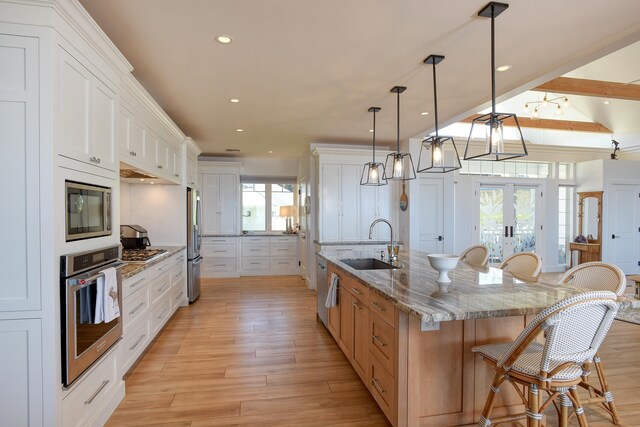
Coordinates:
column 598, row 276
column 525, row 264
column 573, row 330
column 477, row 255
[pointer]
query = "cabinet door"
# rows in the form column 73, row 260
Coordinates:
column 384, row 202
column 330, row 203
column 176, row 163
column 150, row 150
column 192, row 171
column 349, row 200
column 74, row 89
column 368, row 211
column 346, row 320
column 103, row 126
column 210, row 201
column 228, row 203
column 123, row 134
column 136, row 139
column 162, row 157
column 360, row 340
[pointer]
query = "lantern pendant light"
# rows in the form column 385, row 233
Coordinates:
column 438, row 154
column 493, row 147
column 373, row 172
column 399, row 166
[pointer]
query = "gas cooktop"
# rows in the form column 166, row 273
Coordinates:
column 141, row 256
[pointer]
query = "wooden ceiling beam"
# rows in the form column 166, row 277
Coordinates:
column 550, row 124
column 597, row 88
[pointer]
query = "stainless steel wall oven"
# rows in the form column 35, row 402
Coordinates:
column 84, row 339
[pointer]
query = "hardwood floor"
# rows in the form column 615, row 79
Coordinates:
column 250, row 352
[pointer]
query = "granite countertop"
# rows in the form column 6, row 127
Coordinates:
column 356, row 242
column 629, row 315
column 250, row 235
column 131, row 269
column 473, row 293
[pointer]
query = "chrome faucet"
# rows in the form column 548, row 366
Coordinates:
column 392, row 256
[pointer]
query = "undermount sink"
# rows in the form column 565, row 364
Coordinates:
column 368, row 264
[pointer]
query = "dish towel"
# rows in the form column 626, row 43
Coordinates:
column 332, row 295
column 107, row 304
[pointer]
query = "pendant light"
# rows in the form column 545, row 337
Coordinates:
column 399, row 166
column 373, row 172
column 438, row 154
column 493, row 147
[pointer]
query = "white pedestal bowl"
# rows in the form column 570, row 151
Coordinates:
column 443, row 264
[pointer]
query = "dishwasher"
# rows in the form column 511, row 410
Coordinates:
column 322, row 285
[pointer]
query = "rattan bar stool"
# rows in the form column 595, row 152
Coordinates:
column 573, row 330
column 525, row 264
column 477, row 255
column 598, row 276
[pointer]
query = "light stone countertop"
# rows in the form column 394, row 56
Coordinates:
column 629, row 315
column 474, row 293
column 131, row 269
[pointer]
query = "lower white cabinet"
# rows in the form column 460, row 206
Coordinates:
column 219, row 257
column 270, row 255
column 133, row 344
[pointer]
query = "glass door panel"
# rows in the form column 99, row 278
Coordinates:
column 492, row 229
column 524, row 228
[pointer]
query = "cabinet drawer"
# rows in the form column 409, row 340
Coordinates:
column 382, row 387
column 159, row 287
column 177, row 273
column 134, row 283
column 252, row 250
column 383, row 308
column 290, row 240
column 177, row 296
column 133, row 344
column 134, row 308
column 160, row 268
column 219, row 251
column 159, row 315
column 255, row 240
column 281, row 250
column 357, row 289
column 255, row 264
column 178, row 259
column 382, row 341
column 82, row 403
column 219, row 241
column 213, row 267
column 278, row 264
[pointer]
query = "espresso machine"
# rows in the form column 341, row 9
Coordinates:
column 134, row 237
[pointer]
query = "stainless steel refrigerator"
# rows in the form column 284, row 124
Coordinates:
column 194, row 240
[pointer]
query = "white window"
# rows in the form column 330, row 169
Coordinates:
column 566, row 198
column 261, row 202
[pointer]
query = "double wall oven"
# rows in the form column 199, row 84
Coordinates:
column 84, row 340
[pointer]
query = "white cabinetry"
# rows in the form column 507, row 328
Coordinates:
column 375, row 203
column 339, row 210
column 191, row 163
column 273, row 255
column 87, row 115
column 219, row 257
column 220, row 193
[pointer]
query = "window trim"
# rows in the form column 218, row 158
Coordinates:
column 268, row 195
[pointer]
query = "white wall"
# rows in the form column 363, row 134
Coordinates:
column 161, row 209
column 261, row 166
column 590, row 175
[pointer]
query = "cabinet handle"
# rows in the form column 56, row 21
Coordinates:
column 283, row 263
column 222, row 250
column 355, row 304
column 356, row 291
column 135, row 310
column 379, row 341
column 255, row 263
column 163, row 288
column 180, row 295
column 163, row 313
column 378, row 306
column 133, row 347
column 159, row 166
column 176, row 175
column 136, row 283
column 96, row 393
column 376, row 384
column 163, row 267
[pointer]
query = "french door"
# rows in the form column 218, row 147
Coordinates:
column 509, row 219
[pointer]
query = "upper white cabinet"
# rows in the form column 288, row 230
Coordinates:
column 220, row 194
column 87, row 115
column 346, row 209
column 191, row 163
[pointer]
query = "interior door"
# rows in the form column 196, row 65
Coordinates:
column 622, row 218
column 431, row 211
column 509, row 219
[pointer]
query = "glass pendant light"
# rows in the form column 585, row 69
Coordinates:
column 438, row 154
column 399, row 166
column 493, row 147
column 373, row 172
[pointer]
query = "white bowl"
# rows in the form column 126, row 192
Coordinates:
column 443, row 263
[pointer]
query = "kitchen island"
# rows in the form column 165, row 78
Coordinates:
column 410, row 339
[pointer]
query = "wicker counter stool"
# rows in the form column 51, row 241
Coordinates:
column 523, row 263
column 598, row 276
column 573, row 330
column 477, row 255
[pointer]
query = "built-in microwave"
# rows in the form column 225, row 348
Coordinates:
column 88, row 211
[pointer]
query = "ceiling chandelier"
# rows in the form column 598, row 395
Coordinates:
column 546, row 102
column 493, row 147
column 438, row 154
column 373, row 172
column 399, row 166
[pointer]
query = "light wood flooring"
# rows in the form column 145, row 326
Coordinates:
column 250, row 352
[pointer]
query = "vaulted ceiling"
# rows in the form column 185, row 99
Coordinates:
column 307, row 71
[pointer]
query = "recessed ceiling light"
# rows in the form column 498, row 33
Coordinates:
column 607, row 102
column 424, row 113
column 234, row 100
column 239, row 130
column 141, row 179
column 503, row 68
column 223, row 39
column 270, row 151
column 371, row 130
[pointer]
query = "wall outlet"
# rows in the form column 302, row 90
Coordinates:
column 429, row 326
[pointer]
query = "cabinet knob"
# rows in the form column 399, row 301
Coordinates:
column 159, row 166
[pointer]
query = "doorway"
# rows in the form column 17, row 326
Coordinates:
column 623, row 219
column 509, row 219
